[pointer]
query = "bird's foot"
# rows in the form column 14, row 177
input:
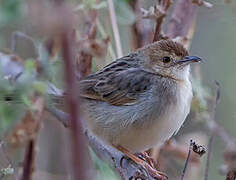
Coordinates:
column 145, row 164
column 144, row 156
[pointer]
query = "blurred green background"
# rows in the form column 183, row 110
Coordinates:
column 214, row 41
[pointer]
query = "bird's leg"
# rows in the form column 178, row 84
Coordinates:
column 156, row 174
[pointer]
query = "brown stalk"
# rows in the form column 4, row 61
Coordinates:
column 29, row 129
column 79, row 148
column 57, row 21
column 29, row 161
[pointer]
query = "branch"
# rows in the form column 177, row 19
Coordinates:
column 163, row 6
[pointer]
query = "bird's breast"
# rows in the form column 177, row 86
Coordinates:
column 163, row 120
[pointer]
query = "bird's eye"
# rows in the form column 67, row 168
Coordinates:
column 166, row 59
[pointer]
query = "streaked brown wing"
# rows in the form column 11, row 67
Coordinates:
column 120, row 83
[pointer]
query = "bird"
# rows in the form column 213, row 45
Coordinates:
column 140, row 100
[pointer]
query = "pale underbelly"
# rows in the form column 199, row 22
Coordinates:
column 138, row 139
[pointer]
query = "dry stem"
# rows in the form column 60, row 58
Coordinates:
column 84, row 59
column 164, row 5
column 212, row 134
column 79, row 149
column 115, row 28
column 31, row 124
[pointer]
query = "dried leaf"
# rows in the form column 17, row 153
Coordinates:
column 29, row 126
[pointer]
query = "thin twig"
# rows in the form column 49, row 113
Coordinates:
column 209, row 147
column 212, row 134
column 16, row 35
column 115, row 28
column 187, row 160
column 59, row 115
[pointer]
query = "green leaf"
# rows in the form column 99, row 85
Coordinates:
column 30, row 65
column 40, row 86
column 26, row 100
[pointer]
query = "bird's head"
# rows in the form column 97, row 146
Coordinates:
column 168, row 58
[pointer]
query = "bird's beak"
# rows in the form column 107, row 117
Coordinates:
column 189, row 59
